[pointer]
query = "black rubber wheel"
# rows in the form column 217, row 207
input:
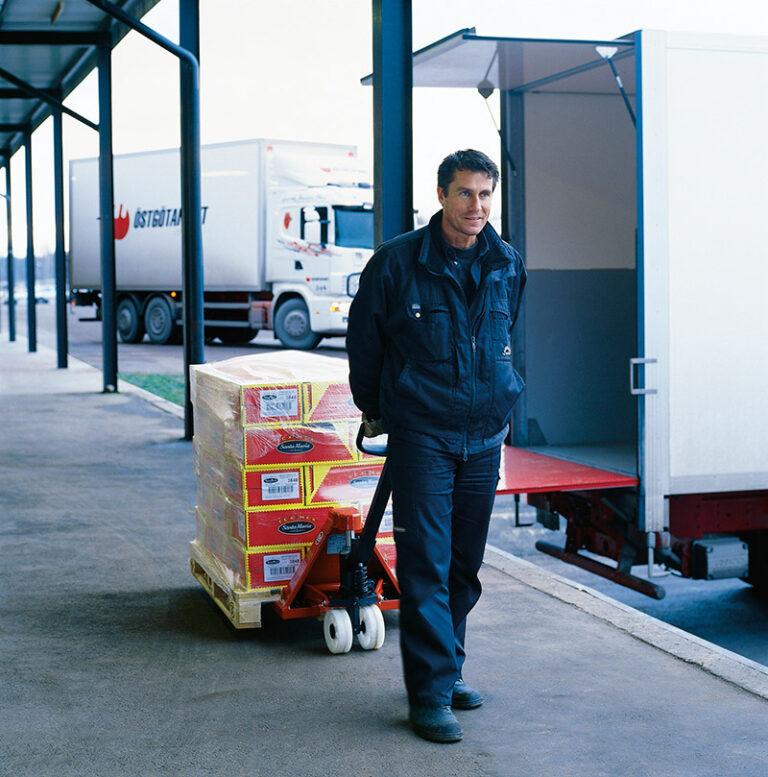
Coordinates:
column 159, row 323
column 292, row 326
column 130, row 325
column 758, row 561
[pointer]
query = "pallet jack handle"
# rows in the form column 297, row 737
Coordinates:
column 363, row 548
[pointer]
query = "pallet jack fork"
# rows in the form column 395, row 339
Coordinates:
column 346, row 578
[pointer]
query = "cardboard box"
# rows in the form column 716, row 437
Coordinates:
column 265, row 568
column 298, row 444
column 272, row 489
column 221, row 471
column 272, row 404
column 325, row 401
column 341, row 483
column 262, row 388
column 278, row 527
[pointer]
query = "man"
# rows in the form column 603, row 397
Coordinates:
column 429, row 343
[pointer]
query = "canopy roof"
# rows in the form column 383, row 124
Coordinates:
column 47, row 47
column 465, row 59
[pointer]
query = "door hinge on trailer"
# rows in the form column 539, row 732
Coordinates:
column 633, row 389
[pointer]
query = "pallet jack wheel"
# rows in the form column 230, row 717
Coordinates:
column 372, row 629
column 337, row 628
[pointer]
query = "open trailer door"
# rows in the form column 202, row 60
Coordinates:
column 703, row 124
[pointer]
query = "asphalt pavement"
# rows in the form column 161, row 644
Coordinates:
column 727, row 612
column 114, row 661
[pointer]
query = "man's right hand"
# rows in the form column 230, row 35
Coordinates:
column 372, row 427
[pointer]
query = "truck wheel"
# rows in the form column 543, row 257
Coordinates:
column 129, row 322
column 159, row 323
column 758, row 561
column 292, row 326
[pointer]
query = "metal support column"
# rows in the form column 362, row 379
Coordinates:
column 61, row 272
column 191, row 202
column 190, row 152
column 107, row 210
column 11, row 273
column 392, row 119
column 31, row 292
column 513, row 231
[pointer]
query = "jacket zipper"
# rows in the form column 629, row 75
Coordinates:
column 472, row 326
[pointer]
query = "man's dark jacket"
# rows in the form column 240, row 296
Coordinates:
column 439, row 372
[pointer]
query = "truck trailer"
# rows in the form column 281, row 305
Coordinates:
column 634, row 182
column 287, row 228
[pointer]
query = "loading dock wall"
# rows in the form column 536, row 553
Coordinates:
column 581, row 307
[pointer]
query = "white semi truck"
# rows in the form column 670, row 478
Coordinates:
column 287, row 228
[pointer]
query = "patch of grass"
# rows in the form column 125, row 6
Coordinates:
column 170, row 387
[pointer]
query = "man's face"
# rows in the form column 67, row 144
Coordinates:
column 466, row 207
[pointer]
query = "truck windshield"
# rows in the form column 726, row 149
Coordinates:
column 353, row 226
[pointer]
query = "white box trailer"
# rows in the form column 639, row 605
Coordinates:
column 285, row 224
column 639, row 202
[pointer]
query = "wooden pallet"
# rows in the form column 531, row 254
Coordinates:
column 242, row 608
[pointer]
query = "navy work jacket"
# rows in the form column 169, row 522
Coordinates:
column 436, row 370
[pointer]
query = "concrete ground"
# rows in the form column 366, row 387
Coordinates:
column 113, row 660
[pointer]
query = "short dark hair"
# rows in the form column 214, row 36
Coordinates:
column 468, row 159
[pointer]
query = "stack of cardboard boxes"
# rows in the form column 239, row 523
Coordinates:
column 274, row 450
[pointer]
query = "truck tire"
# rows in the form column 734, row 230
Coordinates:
column 292, row 327
column 130, row 324
column 159, row 323
column 758, row 561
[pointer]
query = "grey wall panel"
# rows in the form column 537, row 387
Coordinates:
column 580, row 334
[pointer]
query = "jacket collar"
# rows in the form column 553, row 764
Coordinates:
column 432, row 255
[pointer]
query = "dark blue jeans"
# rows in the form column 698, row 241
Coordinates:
column 441, row 508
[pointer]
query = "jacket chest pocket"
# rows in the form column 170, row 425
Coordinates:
column 429, row 332
column 501, row 343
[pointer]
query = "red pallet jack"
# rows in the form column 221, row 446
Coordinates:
column 346, row 578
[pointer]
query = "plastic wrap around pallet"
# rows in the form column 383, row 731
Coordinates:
column 274, row 450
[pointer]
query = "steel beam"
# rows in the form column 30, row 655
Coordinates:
column 31, row 296
column 191, row 203
column 48, row 38
column 392, row 119
column 61, row 273
column 11, row 273
column 107, row 210
column 42, row 94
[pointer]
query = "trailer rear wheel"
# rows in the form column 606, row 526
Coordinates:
column 337, row 628
column 159, row 321
column 292, row 326
column 129, row 323
column 758, row 561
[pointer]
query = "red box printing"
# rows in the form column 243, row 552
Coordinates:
column 337, row 483
column 273, row 488
column 278, row 527
column 329, row 402
column 264, row 568
column 279, row 403
column 299, row 444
